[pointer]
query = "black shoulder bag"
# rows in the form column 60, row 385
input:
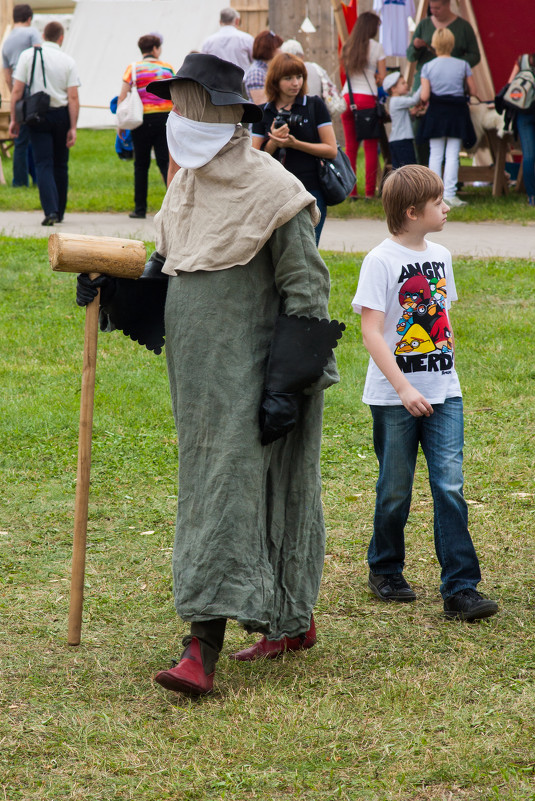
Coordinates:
column 31, row 110
column 369, row 122
column 335, row 176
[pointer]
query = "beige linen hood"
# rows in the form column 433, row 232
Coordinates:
column 220, row 215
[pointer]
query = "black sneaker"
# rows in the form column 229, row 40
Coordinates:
column 137, row 215
column 50, row 219
column 391, row 587
column 469, row 605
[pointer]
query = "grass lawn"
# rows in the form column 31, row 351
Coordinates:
column 100, row 181
column 393, row 704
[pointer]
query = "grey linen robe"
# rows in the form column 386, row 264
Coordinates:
column 250, row 535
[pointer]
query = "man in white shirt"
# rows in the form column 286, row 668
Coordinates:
column 230, row 43
column 52, row 137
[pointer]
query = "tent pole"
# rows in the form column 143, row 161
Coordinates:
column 340, row 20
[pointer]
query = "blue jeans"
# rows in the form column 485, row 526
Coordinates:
column 526, row 131
column 322, row 206
column 20, row 157
column 396, row 436
column 51, row 154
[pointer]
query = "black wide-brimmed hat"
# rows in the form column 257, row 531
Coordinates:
column 221, row 79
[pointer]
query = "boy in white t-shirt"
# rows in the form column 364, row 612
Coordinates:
column 404, row 293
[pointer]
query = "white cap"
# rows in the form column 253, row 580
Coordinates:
column 391, row 80
column 292, row 46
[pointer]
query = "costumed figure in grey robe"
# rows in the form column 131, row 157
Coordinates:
column 249, row 350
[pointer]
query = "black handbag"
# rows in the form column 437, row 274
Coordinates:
column 369, row 122
column 31, row 110
column 336, row 178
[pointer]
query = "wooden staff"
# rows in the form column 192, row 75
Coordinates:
column 340, row 20
column 124, row 258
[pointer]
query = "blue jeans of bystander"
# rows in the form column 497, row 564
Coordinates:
column 526, row 131
column 322, row 207
column 20, row 157
column 396, row 436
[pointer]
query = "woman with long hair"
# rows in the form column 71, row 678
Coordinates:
column 296, row 128
column 364, row 63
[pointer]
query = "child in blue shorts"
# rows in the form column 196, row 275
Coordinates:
column 404, row 293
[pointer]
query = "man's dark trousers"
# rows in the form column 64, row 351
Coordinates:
column 20, row 157
column 51, row 155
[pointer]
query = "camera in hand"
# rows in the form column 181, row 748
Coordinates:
column 289, row 119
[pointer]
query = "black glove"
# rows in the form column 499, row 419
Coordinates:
column 300, row 349
column 279, row 412
column 153, row 268
column 87, row 288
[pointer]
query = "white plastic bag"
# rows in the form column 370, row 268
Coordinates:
column 331, row 97
column 130, row 110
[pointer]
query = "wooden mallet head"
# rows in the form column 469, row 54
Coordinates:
column 107, row 255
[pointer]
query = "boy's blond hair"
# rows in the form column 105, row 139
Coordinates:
column 408, row 187
column 443, row 41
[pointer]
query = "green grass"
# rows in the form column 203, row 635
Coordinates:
column 482, row 206
column 100, row 182
column 393, row 704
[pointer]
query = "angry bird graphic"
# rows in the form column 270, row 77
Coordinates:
column 416, row 340
column 415, row 294
column 441, row 333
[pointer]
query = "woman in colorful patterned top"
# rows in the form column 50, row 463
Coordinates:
column 151, row 134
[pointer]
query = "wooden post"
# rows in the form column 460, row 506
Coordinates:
column 482, row 74
column 340, row 20
column 124, row 258
column 421, row 12
column 81, row 503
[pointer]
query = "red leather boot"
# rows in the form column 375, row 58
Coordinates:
column 271, row 649
column 188, row 676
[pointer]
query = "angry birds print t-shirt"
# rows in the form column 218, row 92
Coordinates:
column 414, row 289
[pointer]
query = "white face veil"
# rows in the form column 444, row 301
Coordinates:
column 199, row 130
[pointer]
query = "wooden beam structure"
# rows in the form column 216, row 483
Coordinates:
column 286, row 19
column 482, row 75
column 254, row 15
column 340, row 20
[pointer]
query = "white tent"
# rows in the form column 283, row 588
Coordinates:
column 102, row 38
